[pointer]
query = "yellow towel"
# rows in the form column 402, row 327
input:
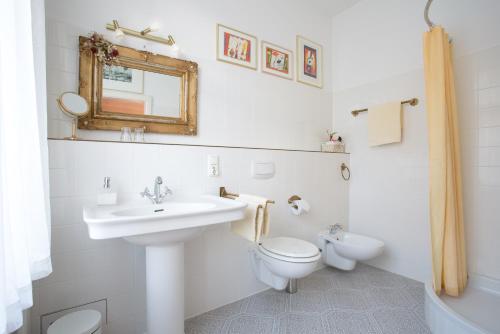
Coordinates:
column 384, row 124
column 256, row 220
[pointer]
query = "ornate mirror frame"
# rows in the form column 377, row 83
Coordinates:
column 90, row 87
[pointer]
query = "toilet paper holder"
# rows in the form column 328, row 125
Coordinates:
column 292, row 199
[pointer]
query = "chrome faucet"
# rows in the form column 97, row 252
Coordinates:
column 336, row 228
column 158, row 196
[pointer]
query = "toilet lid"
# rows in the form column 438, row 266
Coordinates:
column 290, row 247
column 79, row 322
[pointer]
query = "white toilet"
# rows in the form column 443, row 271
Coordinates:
column 278, row 261
column 342, row 249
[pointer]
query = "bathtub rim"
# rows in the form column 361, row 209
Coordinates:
column 483, row 283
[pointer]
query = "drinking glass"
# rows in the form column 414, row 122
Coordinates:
column 126, row 135
column 139, row 135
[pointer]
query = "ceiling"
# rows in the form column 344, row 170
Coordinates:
column 334, row 7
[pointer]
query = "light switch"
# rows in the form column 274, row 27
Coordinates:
column 213, row 165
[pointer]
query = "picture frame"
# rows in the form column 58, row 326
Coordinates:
column 309, row 62
column 277, row 60
column 123, row 79
column 236, row 47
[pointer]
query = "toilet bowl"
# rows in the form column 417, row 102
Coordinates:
column 275, row 261
column 343, row 249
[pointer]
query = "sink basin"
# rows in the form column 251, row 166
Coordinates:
column 133, row 219
column 164, row 209
column 162, row 229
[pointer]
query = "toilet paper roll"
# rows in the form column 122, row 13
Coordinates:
column 299, row 207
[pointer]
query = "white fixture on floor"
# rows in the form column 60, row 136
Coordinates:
column 163, row 229
column 343, row 249
column 79, row 322
column 276, row 261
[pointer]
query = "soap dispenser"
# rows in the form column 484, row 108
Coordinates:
column 107, row 196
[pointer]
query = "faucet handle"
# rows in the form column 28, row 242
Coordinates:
column 145, row 193
column 167, row 191
column 336, row 227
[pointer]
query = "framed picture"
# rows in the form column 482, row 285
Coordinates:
column 277, row 60
column 114, row 101
column 123, row 78
column 236, row 47
column 309, row 62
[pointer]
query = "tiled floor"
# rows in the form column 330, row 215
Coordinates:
column 366, row 300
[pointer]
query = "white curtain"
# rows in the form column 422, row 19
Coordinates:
column 24, row 196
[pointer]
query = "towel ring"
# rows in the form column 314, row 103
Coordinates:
column 344, row 168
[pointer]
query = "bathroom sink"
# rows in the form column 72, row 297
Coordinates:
column 134, row 219
column 162, row 229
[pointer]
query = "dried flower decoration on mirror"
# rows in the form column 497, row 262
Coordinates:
column 104, row 50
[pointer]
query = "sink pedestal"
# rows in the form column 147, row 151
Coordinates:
column 162, row 229
column 165, row 288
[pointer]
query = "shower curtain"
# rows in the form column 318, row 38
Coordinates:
column 24, row 188
column 446, row 213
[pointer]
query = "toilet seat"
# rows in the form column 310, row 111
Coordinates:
column 290, row 249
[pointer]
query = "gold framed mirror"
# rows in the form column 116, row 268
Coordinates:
column 139, row 90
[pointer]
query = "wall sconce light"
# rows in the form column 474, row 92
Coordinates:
column 145, row 34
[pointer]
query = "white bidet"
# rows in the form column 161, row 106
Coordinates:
column 343, row 249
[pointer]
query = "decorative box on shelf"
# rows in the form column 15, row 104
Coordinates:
column 333, row 147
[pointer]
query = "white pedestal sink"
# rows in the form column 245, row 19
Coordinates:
column 162, row 229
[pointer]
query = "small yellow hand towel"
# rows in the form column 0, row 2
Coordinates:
column 256, row 220
column 384, row 124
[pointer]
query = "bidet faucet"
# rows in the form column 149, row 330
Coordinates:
column 336, row 228
column 157, row 197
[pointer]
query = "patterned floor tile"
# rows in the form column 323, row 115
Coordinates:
column 204, row 324
column 347, row 299
column 384, row 298
column 365, row 300
column 397, row 321
column 318, row 281
column 384, row 279
column 345, row 322
column 309, row 301
column 301, row 323
column 250, row 324
column 268, row 303
column 350, row 280
column 229, row 310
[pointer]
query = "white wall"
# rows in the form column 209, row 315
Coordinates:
column 218, row 270
column 378, row 57
column 237, row 106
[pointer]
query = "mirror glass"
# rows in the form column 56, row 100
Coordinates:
column 131, row 91
column 73, row 104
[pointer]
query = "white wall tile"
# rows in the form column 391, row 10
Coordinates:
column 86, row 270
column 236, row 106
column 489, row 136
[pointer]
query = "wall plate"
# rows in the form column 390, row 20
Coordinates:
column 263, row 169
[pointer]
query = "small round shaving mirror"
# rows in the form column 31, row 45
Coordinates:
column 74, row 106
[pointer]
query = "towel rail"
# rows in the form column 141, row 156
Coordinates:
column 224, row 193
column 411, row 102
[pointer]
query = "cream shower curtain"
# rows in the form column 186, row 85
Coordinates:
column 446, row 213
